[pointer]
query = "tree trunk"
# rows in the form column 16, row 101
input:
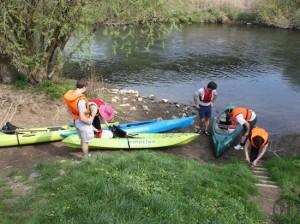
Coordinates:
column 7, row 72
column 37, row 76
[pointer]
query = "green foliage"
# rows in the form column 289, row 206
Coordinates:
column 279, row 12
column 286, row 172
column 35, row 32
column 55, row 89
column 246, row 17
column 140, row 187
column 20, row 81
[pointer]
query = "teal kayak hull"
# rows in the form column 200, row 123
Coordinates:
column 223, row 137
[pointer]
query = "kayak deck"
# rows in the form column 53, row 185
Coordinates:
column 140, row 141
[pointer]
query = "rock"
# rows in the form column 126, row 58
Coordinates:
column 177, row 105
column 146, row 108
column 174, row 117
column 133, row 108
column 115, row 90
column 125, row 99
column 61, row 172
column 151, row 97
column 34, row 175
column 184, row 114
column 167, row 112
column 140, row 99
column 164, row 101
column 159, row 118
column 125, row 105
column 133, row 100
column 114, row 100
column 186, row 108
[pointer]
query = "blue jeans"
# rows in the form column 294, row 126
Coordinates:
column 205, row 112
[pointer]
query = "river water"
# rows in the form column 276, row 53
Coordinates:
column 256, row 67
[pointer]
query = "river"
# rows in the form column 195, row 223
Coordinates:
column 256, row 67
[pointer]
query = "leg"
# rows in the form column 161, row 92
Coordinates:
column 85, row 148
column 207, row 118
column 253, row 154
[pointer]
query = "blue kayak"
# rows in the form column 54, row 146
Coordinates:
column 151, row 126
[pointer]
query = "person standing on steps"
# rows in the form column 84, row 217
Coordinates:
column 257, row 143
column 203, row 100
column 246, row 118
column 82, row 114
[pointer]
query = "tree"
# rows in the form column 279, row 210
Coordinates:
column 34, row 33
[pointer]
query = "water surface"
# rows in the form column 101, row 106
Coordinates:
column 254, row 67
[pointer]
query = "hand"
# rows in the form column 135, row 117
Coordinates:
column 254, row 163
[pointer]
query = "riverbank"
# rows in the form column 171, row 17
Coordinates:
column 27, row 108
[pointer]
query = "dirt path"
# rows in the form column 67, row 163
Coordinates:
column 24, row 109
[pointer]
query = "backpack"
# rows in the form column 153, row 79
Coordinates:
column 206, row 98
column 9, row 128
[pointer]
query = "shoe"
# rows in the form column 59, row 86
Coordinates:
column 206, row 133
column 197, row 129
column 238, row 147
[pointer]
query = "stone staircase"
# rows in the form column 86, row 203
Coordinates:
column 268, row 190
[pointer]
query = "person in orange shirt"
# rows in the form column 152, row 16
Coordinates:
column 82, row 114
column 257, row 143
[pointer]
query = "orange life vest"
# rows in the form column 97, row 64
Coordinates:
column 247, row 113
column 72, row 99
column 261, row 133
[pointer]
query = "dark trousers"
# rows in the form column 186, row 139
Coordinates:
column 253, row 153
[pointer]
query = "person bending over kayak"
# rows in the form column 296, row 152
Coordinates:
column 245, row 117
column 258, row 143
column 204, row 99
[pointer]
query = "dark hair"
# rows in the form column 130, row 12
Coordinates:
column 258, row 141
column 212, row 85
column 81, row 83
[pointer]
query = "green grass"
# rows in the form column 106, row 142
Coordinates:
column 286, row 172
column 139, row 187
column 55, row 89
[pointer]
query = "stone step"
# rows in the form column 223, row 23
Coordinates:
column 259, row 168
column 260, row 172
column 262, row 177
column 267, row 185
column 267, row 182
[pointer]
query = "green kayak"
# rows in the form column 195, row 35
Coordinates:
column 224, row 134
column 33, row 135
column 140, row 141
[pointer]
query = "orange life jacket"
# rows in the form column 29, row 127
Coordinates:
column 72, row 99
column 247, row 113
column 261, row 133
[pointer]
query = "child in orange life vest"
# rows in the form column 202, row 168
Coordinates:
column 204, row 99
column 246, row 118
column 258, row 143
column 82, row 114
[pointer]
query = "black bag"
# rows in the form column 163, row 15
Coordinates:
column 9, row 128
column 118, row 132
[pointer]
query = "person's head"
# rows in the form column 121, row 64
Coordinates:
column 81, row 84
column 258, row 141
column 212, row 85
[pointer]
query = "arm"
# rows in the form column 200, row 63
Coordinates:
column 262, row 151
column 82, row 110
column 196, row 99
column 247, row 151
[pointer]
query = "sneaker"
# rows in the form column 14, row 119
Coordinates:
column 197, row 129
column 238, row 147
column 206, row 133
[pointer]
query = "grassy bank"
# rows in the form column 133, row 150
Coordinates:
column 286, row 172
column 141, row 187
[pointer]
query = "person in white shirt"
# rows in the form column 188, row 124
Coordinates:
column 203, row 100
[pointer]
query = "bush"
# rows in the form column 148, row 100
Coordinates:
column 55, row 89
column 246, row 17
